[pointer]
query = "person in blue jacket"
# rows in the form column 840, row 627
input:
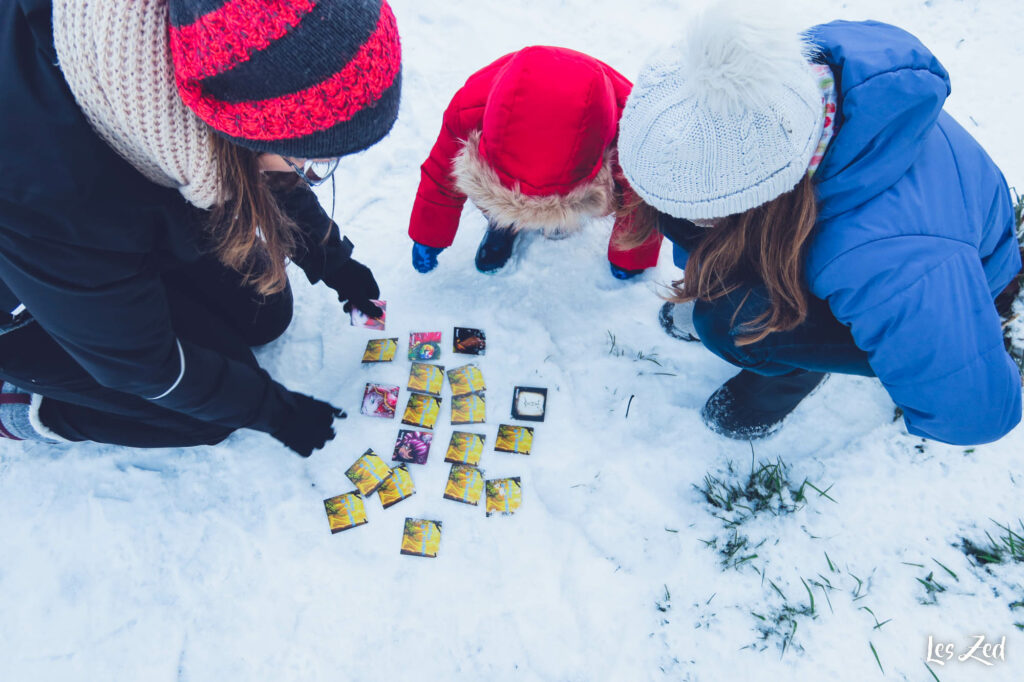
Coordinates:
column 831, row 217
column 150, row 195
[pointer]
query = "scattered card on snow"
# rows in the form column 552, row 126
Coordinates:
column 465, row 448
column 412, row 446
column 424, row 345
column 421, row 537
column 504, row 495
column 422, row 410
column 469, row 409
column 465, row 484
column 368, row 473
column 466, row 379
column 426, row 378
column 517, row 439
column 380, row 400
column 380, row 350
column 469, row 341
column 345, row 511
column 398, row 487
column 529, row 404
column 360, row 319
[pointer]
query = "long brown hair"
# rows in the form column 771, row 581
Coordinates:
column 248, row 231
column 766, row 245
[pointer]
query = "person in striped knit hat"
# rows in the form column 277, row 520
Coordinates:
column 156, row 177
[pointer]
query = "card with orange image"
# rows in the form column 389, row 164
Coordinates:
column 397, row 487
column 345, row 511
column 380, row 350
column 465, row 448
column 422, row 410
column 469, row 409
column 466, row 379
column 426, row 378
column 421, row 537
column 465, row 484
column 368, row 473
column 517, row 439
column 504, row 495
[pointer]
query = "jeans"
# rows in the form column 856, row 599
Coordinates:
column 820, row 344
column 209, row 306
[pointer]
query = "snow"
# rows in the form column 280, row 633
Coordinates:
column 217, row 563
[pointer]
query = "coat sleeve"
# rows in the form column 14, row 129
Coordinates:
column 321, row 250
column 109, row 311
column 640, row 257
column 438, row 205
column 922, row 310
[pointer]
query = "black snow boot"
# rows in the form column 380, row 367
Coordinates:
column 495, row 249
column 751, row 406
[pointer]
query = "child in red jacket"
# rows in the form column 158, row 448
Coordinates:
column 531, row 140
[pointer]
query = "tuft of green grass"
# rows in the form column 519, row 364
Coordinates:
column 877, row 659
column 1006, row 548
column 736, row 551
column 1014, row 348
column 932, row 589
column 615, row 350
column 767, row 489
column 780, row 625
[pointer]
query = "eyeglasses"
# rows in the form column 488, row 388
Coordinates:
column 314, row 171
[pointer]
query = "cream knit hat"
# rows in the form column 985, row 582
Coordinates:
column 723, row 121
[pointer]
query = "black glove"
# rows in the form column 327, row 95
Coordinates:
column 355, row 286
column 309, row 425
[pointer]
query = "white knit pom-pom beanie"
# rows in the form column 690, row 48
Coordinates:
column 723, row 121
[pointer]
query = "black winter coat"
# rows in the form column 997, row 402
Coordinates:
column 84, row 238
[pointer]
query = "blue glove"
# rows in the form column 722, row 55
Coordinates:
column 622, row 273
column 424, row 258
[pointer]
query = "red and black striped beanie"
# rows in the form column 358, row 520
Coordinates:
column 301, row 78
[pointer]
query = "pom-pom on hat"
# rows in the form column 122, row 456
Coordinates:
column 301, row 78
column 724, row 120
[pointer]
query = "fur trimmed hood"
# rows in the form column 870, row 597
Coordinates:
column 509, row 206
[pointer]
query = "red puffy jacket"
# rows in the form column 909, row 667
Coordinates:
column 531, row 140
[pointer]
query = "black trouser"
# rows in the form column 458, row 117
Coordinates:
column 209, row 307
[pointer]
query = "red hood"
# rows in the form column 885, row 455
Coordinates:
column 550, row 116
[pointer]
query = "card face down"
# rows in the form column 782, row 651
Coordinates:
column 529, row 404
column 469, row 409
column 360, row 319
column 368, row 473
column 465, row 448
column 380, row 350
column 465, row 484
column 422, row 410
column 426, row 378
column 345, row 511
column 516, row 439
column 397, row 487
column 412, row 446
column 504, row 495
column 424, row 346
column 466, row 379
column 380, row 400
column 469, row 341
column 421, row 537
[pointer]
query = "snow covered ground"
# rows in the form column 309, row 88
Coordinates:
column 217, row 563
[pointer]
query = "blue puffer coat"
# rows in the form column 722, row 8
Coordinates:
column 915, row 237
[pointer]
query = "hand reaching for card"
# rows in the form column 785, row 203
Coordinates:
column 356, row 287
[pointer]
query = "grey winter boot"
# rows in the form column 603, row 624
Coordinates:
column 677, row 321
